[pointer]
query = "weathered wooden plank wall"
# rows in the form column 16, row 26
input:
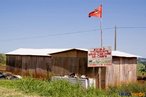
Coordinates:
column 36, row 66
column 40, row 66
column 11, row 64
column 123, row 70
column 67, row 65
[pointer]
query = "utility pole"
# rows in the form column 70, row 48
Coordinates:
column 115, row 40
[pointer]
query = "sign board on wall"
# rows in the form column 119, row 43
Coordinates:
column 98, row 57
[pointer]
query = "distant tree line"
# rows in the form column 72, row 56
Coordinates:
column 2, row 59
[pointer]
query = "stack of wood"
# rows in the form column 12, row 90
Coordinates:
column 2, row 68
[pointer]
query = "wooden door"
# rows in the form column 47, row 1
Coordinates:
column 101, row 78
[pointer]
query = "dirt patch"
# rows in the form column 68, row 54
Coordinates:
column 4, row 92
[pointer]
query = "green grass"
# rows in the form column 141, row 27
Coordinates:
column 59, row 88
column 5, row 92
column 65, row 89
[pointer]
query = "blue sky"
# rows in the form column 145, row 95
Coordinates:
column 65, row 24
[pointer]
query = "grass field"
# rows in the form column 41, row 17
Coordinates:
column 29, row 87
column 5, row 92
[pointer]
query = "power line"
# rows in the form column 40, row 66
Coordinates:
column 50, row 35
column 69, row 33
column 131, row 27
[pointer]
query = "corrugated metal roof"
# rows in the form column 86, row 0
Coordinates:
column 40, row 52
column 123, row 54
column 47, row 52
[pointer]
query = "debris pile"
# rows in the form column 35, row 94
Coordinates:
column 75, row 79
column 9, row 76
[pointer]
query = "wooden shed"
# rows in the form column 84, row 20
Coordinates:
column 43, row 62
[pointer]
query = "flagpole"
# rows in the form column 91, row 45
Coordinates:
column 99, row 69
column 98, row 13
column 101, row 25
column 101, row 44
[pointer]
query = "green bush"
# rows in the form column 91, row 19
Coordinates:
column 2, row 59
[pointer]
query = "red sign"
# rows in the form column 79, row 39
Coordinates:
column 99, row 57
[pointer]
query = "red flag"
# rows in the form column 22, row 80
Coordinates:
column 97, row 12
